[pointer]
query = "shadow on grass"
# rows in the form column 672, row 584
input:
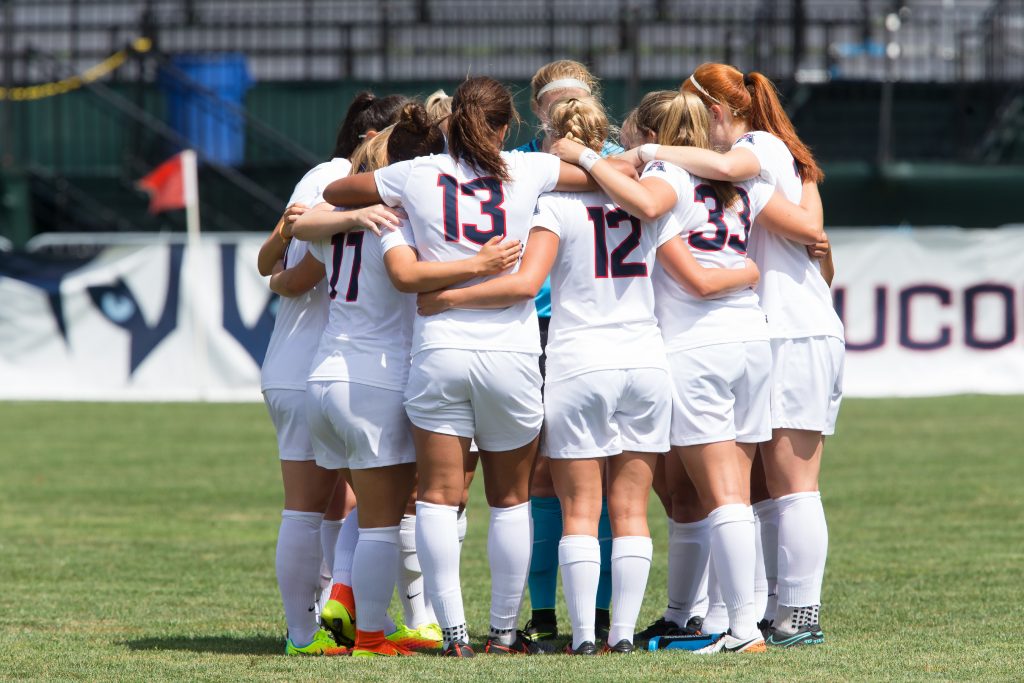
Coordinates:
column 230, row 645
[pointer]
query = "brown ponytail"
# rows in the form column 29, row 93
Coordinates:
column 480, row 107
column 753, row 97
column 415, row 134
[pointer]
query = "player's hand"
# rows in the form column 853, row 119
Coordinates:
column 753, row 271
column 819, row 250
column 432, row 303
column 497, row 255
column 291, row 214
column 567, row 150
column 378, row 217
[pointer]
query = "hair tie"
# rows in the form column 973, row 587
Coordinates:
column 747, row 80
column 563, row 84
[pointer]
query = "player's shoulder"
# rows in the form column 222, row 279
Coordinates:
column 764, row 143
column 333, row 169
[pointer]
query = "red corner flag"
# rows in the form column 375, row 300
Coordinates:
column 165, row 185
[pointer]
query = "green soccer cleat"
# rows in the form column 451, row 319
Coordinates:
column 808, row 634
column 322, row 646
column 338, row 620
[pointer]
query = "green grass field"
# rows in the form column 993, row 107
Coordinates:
column 137, row 542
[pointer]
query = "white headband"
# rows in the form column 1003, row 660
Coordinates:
column 563, row 84
column 702, row 90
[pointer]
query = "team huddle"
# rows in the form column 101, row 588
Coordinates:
column 588, row 322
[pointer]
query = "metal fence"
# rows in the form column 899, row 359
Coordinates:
column 383, row 40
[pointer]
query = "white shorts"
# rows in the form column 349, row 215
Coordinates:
column 492, row 396
column 606, row 412
column 356, row 426
column 807, row 383
column 722, row 393
column 287, row 408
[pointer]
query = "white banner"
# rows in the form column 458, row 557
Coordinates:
column 927, row 312
column 121, row 326
column 930, row 312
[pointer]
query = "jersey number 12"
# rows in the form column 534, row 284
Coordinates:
column 615, row 262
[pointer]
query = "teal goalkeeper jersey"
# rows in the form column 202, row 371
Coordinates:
column 543, row 299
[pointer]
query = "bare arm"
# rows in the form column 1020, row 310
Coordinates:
column 322, row 222
column 500, row 292
column 353, row 190
column 572, row 178
column 734, row 166
column 298, row 279
column 647, row 199
column 803, row 223
column 276, row 244
column 705, row 283
column 409, row 274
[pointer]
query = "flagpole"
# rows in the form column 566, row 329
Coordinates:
column 190, row 172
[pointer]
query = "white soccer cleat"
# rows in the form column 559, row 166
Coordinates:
column 727, row 643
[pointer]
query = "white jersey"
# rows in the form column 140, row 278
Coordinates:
column 794, row 295
column 718, row 239
column 453, row 211
column 602, row 299
column 300, row 320
column 369, row 330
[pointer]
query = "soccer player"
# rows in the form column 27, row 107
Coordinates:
column 718, row 349
column 758, row 140
column 307, row 539
column 555, row 81
column 359, row 373
column 608, row 392
column 474, row 372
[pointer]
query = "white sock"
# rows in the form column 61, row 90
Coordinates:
column 463, row 524
column 415, row 606
column 732, row 546
column 631, row 563
column 767, row 514
column 298, row 572
column 329, row 530
column 688, row 553
column 437, row 545
column 579, row 560
column 509, row 544
column 345, row 548
column 760, row 577
column 716, row 619
column 374, row 570
column 803, row 547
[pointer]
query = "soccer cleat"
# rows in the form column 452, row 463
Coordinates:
column 337, row 619
column 623, row 647
column 459, row 649
column 537, row 630
column 376, row 645
column 522, row 645
column 322, row 646
column 661, row 627
column 585, row 648
column 426, row 637
column 765, row 627
column 727, row 643
column 694, row 627
column 809, row 634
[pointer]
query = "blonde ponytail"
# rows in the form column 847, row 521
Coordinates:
column 580, row 119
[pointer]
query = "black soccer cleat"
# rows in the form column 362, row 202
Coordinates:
column 765, row 627
column 623, row 647
column 522, row 645
column 459, row 649
column 693, row 627
column 540, row 629
column 585, row 648
column 661, row 627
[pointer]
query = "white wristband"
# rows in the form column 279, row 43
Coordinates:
column 588, row 158
column 648, row 152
